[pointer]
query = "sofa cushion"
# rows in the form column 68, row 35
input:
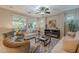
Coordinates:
column 72, row 34
column 77, row 35
column 70, row 45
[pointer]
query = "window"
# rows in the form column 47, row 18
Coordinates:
column 32, row 25
column 72, row 20
column 18, row 22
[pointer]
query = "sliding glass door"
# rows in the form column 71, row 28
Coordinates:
column 72, row 20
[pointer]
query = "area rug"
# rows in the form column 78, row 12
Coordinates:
column 40, row 48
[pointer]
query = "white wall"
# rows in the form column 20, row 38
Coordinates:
column 5, row 20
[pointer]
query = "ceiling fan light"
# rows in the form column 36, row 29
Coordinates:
column 42, row 13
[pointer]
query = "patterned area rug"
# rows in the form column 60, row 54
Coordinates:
column 40, row 48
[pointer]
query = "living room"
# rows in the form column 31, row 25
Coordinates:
column 37, row 28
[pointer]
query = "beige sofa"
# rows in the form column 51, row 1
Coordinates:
column 59, row 48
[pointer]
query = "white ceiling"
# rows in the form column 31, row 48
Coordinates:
column 31, row 9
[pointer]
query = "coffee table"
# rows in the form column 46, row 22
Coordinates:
column 45, row 40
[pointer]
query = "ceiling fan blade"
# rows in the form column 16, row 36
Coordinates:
column 37, row 12
column 46, row 9
column 47, row 12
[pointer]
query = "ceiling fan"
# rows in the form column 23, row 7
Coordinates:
column 43, row 10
